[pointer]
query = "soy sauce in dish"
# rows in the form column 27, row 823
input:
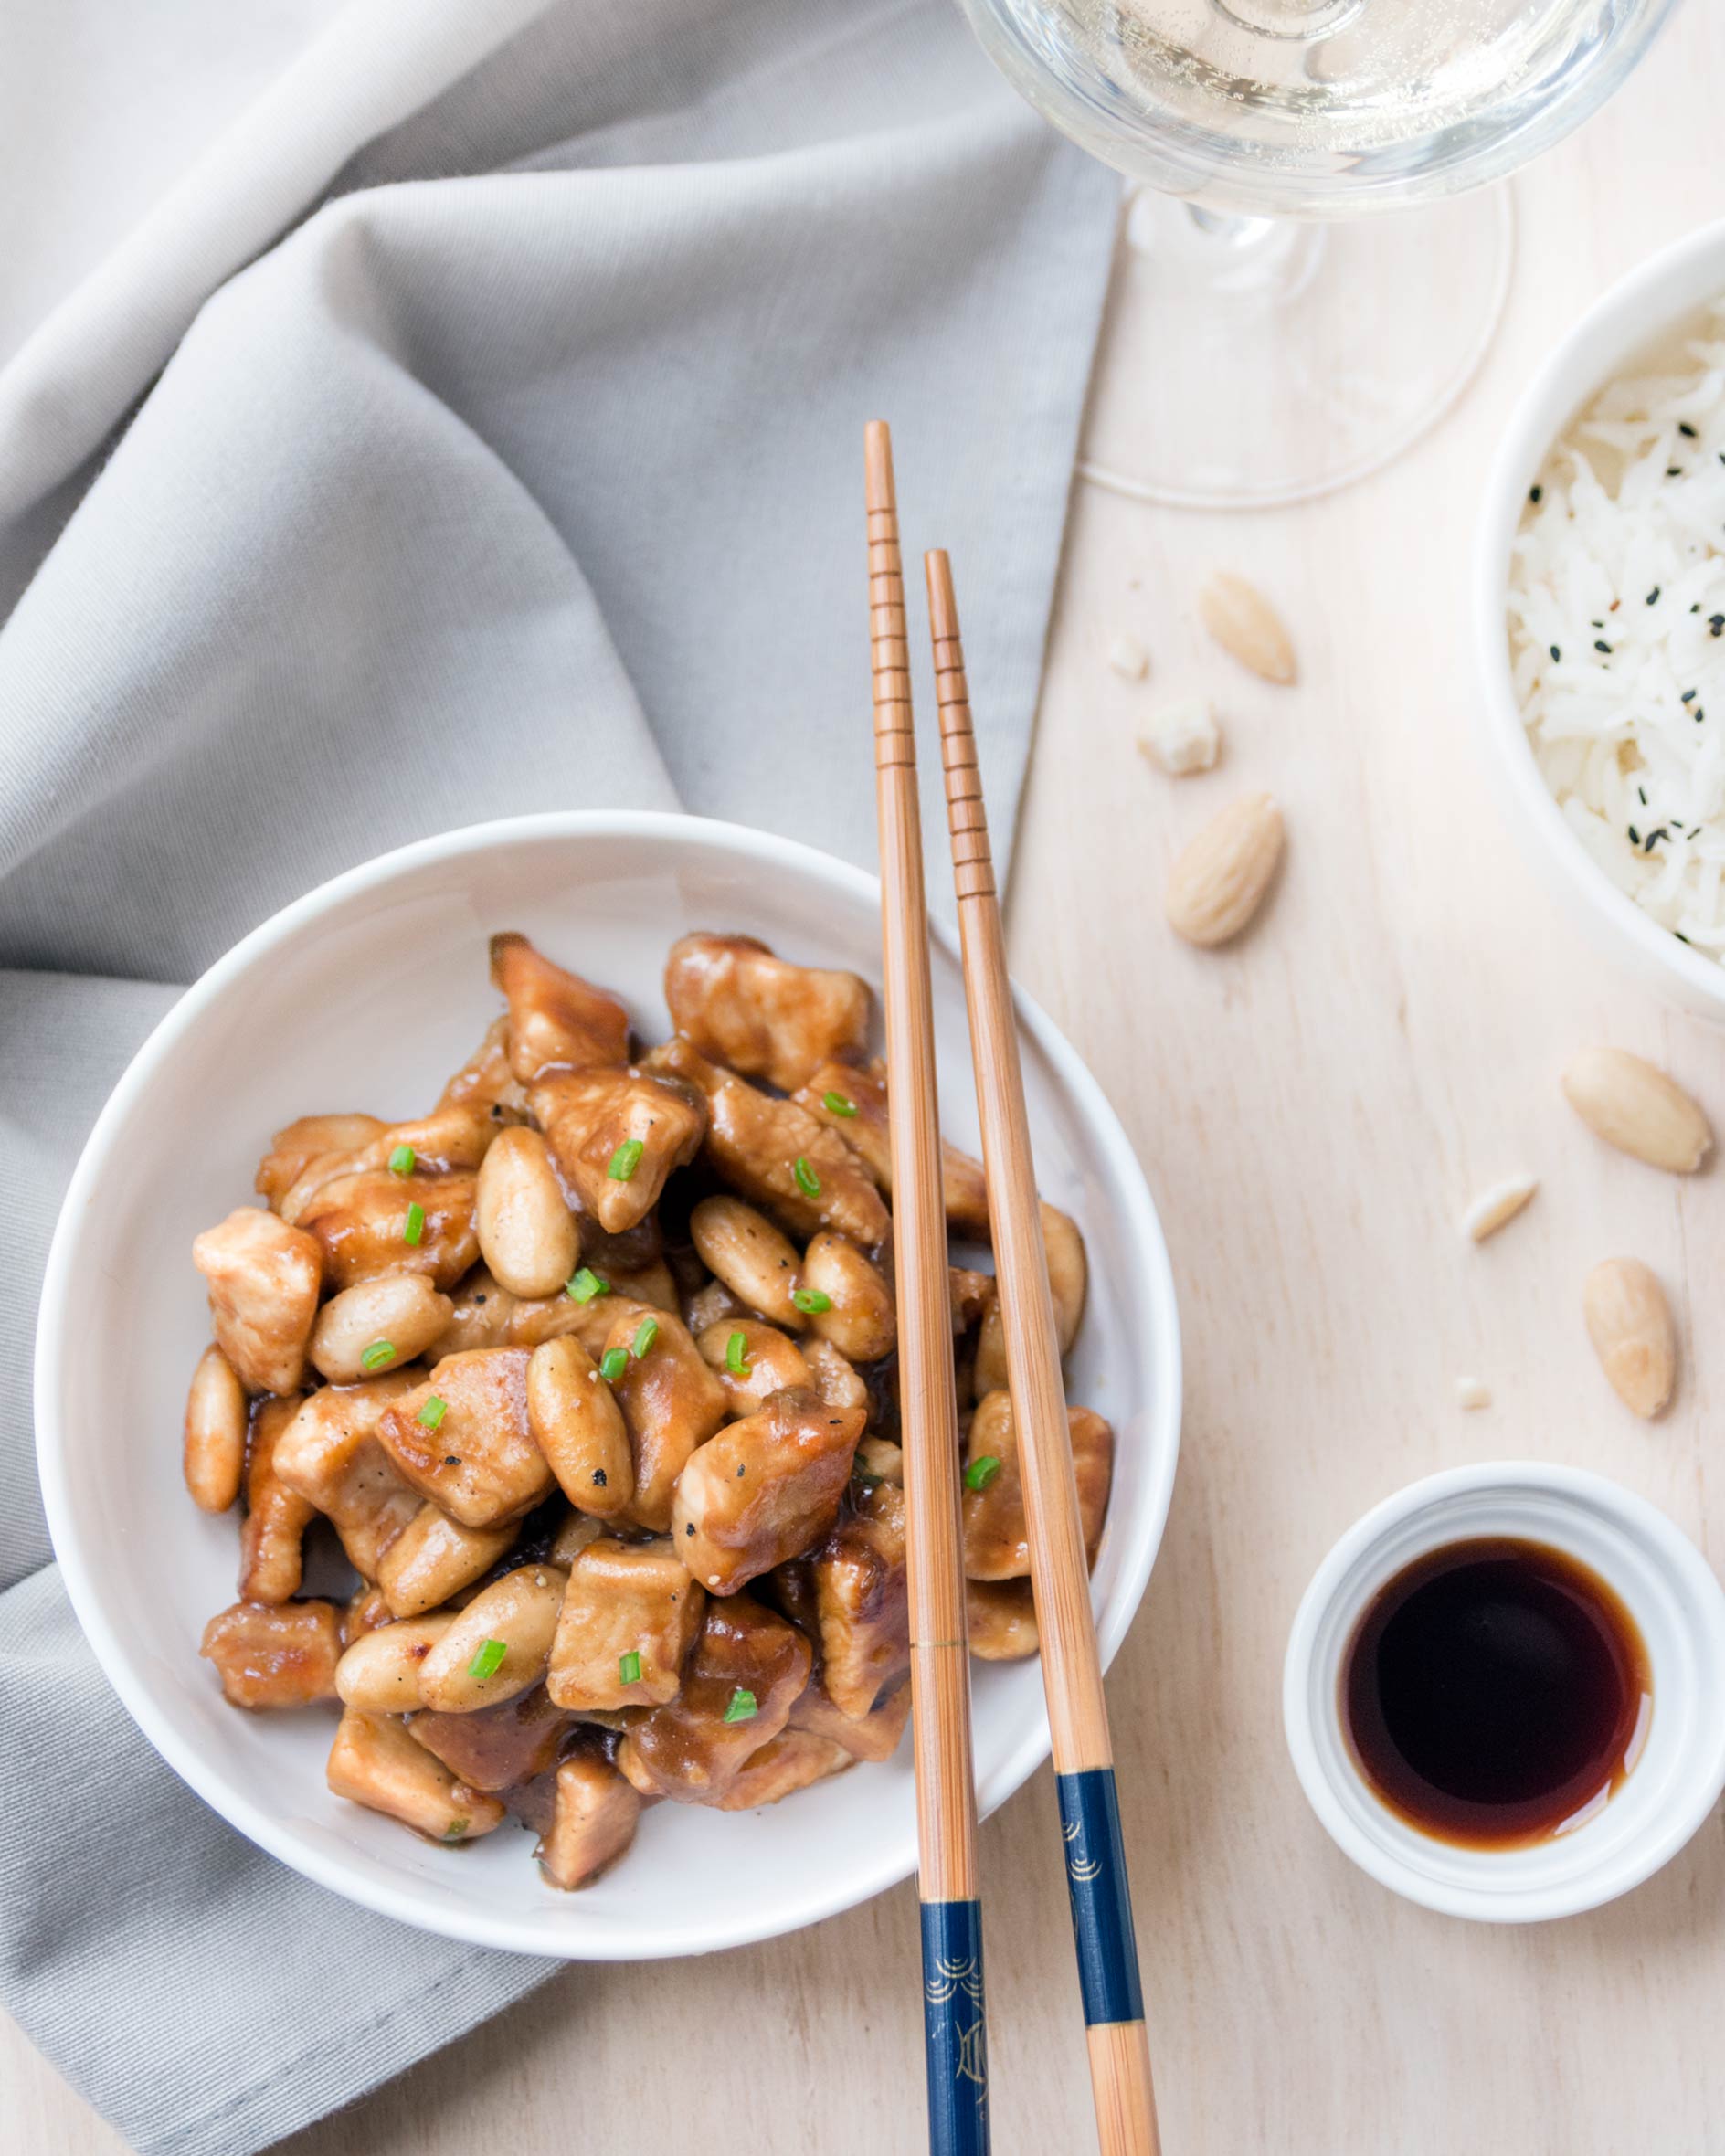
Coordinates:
column 1496, row 1693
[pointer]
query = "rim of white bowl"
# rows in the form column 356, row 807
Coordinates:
column 1130, row 1191
column 1337, row 1582
column 1540, row 416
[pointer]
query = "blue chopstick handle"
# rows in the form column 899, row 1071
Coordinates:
column 956, row 2028
column 1101, row 1904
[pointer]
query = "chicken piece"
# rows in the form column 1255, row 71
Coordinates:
column 832, row 1376
column 777, row 1153
column 310, row 1138
column 462, row 1438
column 331, row 1455
column 578, row 1426
column 500, row 1644
column 377, row 1222
column 858, row 1600
column 971, row 1294
column 764, row 1017
column 375, row 1762
column 797, row 1759
column 213, row 1451
column 996, row 1539
column 710, row 1305
column 486, row 1080
column 738, row 1688
column 557, row 1021
column 264, row 1278
column 875, row 1736
column 479, row 1315
column 1000, row 1617
column 854, row 1104
column 435, row 1557
column 593, row 1822
column 275, row 1517
column 453, row 1140
column 672, row 1402
column 572, row 1538
column 742, row 1248
column 367, row 1610
column 752, row 1361
column 493, row 1748
column 617, row 1136
column 380, row 1673
column 629, row 1607
column 763, row 1489
column 849, row 1302
column 272, row 1655
column 1068, row 1274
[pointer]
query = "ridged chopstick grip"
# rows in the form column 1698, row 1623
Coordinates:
column 954, row 2019
column 1071, row 1667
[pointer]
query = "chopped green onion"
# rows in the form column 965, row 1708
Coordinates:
column 377, row 1354
column 744, row 1706
column 433, row 1412
column 613, row 1363
column 415, row 1227
column 982, row 1472
column 629, row 1668
column 488, row 1661
column 401, row 1163
column 585, row 1286
column 736, row 1354
column 811, row 1301
column 625, row 1160
column 862, row 1472
column 835, row 1103
column 456, row 1828
column 645, row 1336
column 808, row 1181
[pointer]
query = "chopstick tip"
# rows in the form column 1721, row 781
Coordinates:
column 877, row 464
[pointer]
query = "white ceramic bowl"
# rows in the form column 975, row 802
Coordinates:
column 1666, row 1587
column 367, row 994
column 1610, row 337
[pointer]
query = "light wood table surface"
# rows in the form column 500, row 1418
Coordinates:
column 1314, row 1108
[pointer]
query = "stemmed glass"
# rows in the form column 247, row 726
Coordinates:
column 1278, row 337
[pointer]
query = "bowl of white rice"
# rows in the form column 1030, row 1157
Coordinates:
column 1600, row 608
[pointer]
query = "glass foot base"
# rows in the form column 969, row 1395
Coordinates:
column 1246, row 362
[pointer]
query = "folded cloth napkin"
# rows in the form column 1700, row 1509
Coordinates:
column 476, row 428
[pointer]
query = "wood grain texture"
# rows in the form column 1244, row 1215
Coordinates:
column 1314, row 1108
column 940, row 1667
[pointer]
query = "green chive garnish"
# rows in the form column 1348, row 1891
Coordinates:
column 377, row 1354
column 613, row 1363
column 808, row 1181
column 401, row 1163
column 861, row 1472
column 629, row 1668
column 645, row 1336
column 744, row 1706
column 736, row 1354
column 626, row 1160
column 456, row 1828
column 835, row 1103
column 982, row 1472
column 488, row 1661
column 433, row 1412
column 811, row 1301
column 415, row 1223
column 585, row 1286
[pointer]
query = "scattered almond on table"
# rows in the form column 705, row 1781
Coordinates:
column 1629, row 1322
column 1636, row 1107
column 1246, row 626
column 1219, row 883
column 1471, row 1394
column 1184, row 737
column 1496, row 1207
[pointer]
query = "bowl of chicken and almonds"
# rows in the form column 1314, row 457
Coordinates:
column 542, row 1467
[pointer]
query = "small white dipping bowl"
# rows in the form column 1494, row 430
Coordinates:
column 1668, row 1590
column 367, row 994
column 1614, row 334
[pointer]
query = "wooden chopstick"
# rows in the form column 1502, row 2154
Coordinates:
column 953, row 2023
column 1071, row 1667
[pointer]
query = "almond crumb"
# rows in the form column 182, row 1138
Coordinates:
column 1496, row 1206
column 1184, row 737
column 1471, row 1393
column 1128, row 657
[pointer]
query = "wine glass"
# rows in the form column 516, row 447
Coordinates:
column 1279, row 339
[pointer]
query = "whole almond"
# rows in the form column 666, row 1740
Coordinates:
column 1245, row 625
column 1219, row 882
column 1629, row 1323
column 1637, row 1109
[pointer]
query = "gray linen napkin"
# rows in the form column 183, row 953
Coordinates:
column 524, row 470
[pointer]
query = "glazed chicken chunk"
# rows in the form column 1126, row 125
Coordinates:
column 563, row 1420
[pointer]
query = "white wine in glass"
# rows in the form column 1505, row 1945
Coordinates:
column 1279, row 339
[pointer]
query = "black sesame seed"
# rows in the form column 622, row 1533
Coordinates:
column 1601, row 645
column 598, row 1478
column 1599, row 625
column 1634, row 836
column 479, row 1298
column 1556, row 653
column 1653, row 596
column 1534, row 493
column 451, row 1459
column 1653, row 837
column 1687, row 696
column 1681, row 937
column 690, row 1528
column 1696, row 608
column 1673, row 471
column 1642, row 791
column 1716, row 622
column 1684, row 427
column 1697, row 715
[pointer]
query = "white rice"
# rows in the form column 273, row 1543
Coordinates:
column 1620, row 564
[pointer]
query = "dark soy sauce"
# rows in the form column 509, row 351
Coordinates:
column 1493, row 1690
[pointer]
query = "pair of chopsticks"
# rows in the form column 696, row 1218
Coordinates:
column 940, row 1675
